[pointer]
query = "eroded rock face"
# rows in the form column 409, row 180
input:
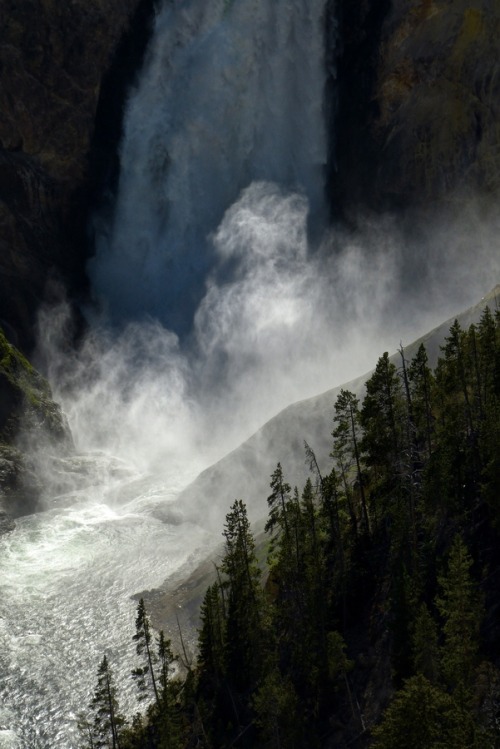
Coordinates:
column 419, row 110
column 415, row 87
column 30, row 421
column 55, row 57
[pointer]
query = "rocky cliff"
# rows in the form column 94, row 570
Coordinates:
column 28, row 416
column 418, row 117
column 56, row 60
column 414, row 101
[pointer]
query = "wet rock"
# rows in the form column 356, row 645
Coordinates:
column 55, row 58
column 29, row 421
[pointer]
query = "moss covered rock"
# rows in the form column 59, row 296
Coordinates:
column 26, row 399
column 29, row 420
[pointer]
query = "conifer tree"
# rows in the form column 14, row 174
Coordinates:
column 381, row 422
column 277, row 712
column 211, row 636
column 425, row 645
column 145, row 674
column 460, row 607
column 244, row 622
column 346, row 449
column 419, row 717
column 108, row 721
column 421, row 383
column 278, row 502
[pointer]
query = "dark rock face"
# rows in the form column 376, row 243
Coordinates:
column 28, row 415
column 414, row 96
column 55, row 57
column 419, row 102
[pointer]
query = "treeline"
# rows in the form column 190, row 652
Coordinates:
column 393, row 554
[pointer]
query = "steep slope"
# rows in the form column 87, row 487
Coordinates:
column 246, row 470
column 371, row 628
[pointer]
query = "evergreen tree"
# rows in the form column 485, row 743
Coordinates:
column 278, row 502
column 346, row 450
column 421, row 382
column 460, row 607
column 108, row 721
column 244, row 602
column 145, row 674
column 425, row 645
column 381, row 421
column 419, row 717
column 211, row 637
column 278, row 713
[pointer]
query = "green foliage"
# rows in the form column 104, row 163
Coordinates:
column 355, row 562
column 277, row 712
column 460, row 607
column 243, row 643
column 28, row 395
column 419, row 717
column 105, row 729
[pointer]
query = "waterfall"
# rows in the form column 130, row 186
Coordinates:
column 222, row 165
column 221, row 315
column 231, row 93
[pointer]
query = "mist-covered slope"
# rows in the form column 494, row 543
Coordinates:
column 244, row 473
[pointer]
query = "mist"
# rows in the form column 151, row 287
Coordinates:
column 280, row 320
column 220, row 294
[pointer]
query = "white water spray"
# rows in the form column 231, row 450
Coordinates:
column 221, row 179
column 232, row 92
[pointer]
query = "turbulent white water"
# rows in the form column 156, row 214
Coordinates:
column 225, row 307
column 66, row 581
column 231, row 95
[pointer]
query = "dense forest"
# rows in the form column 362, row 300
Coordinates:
column 401, row 536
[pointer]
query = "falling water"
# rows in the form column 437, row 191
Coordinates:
column 231, row 93
column 229, row 103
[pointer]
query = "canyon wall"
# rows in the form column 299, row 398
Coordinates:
column 413, row 103
column 419, row 104
column 56, row 59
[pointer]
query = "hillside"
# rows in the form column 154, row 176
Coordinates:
column 245, row 471
column 376, row 623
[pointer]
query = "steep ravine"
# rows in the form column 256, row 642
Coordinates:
column 412, row 101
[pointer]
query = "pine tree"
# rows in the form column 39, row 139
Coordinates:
column 211, row 637
column 425, row 645
column 381, row 421
column 108, row 721
column 419, row 717
column 346, row 450
column 145, row 674
column 421, row 382
column 244, row 601
column 277, row 711
column 460, row 607
column 278, row 502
